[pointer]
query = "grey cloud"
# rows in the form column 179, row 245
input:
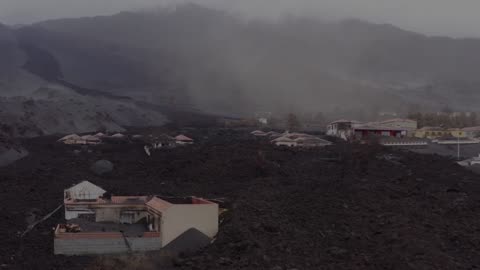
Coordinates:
column 436, row 17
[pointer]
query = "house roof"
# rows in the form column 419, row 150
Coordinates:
column 118, row 135
column 283, row 139
column 431, row 129
column 99, row 135
column 472, row 128
column 313, row 140
column 377, row 126
column 70, row 137
column 86, row 185
column 398, row 120
column 345, row 121
column 183, row 138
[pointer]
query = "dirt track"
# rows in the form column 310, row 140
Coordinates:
column 289, row 209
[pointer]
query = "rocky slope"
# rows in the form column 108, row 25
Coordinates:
column 33, row 101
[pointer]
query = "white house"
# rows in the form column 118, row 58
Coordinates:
column 90, row 139
column 183, row 140
column 311, row 142
column 470, row 161
column 104, row 224
column 342, row 129
column 82, row 192
column 259, row 133
column 72, row 139
column 472, row 132
column 284, row 141
column 406, row 124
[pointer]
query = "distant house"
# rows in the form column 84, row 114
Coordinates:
column 273, row 134
column 285, row 141
column 118, row 136
column 406, row 124
column 90, row 139
column 299, row 140
column 183, row 140
column 164, row 141
column 439, row 132
column 342, row 129
column 470, row 161
column 98, row 223
column 100, row 135
column 258, row 133
column 311, row 142
column 263, row 120
column 72, row 139
column 379, row 130
column 472, row 132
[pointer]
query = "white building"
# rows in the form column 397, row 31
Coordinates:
column 470, row 161
column 343, row 129
column 103, row 224
column 72, row 139
column 183, row 140
column 472, row 132
column 284, row 141
column 406, row 124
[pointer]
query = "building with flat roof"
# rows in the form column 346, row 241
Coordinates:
column 100, row 224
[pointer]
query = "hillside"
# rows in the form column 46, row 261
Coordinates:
column 195, row 58
column 220, row 62
column 34, row 101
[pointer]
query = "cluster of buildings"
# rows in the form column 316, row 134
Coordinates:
column 151, row 141
column 439, row 132
column 74, row 139
column 292, row 139
column 347, row 129
column 404, row 130
column 99, row 223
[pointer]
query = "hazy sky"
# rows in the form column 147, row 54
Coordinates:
column 457, row 18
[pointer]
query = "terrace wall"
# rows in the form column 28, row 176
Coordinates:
column 104, row 243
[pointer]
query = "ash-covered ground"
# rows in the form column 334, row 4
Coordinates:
column 341, row 207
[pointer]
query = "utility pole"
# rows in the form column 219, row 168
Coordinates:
column 458, row 147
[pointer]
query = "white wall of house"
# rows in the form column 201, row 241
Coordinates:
column 119, row 215
column 289, row 144
column 107, row 215
column 74, row 213
column 180, row 218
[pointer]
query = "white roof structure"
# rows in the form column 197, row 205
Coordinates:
column 70, row 137
column 259, row 133
column 84, row 191
column 118, row 135
column 183, row 138
column 283, row 139
column 99, row 135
